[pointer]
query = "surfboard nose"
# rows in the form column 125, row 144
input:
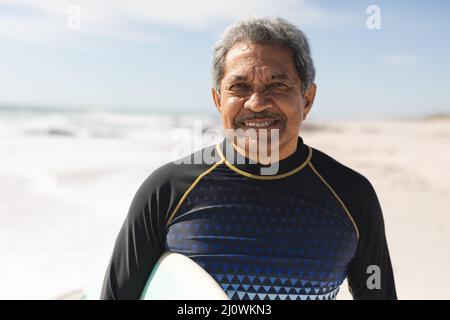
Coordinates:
column 177, row 277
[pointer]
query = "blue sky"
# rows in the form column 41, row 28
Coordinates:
column 155, row 55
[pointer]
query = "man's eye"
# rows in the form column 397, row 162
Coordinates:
column 238, row 86
column 279, row 85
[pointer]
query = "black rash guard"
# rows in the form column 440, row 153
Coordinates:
column 295, row 235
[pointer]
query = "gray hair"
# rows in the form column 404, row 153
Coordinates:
column 272, row 30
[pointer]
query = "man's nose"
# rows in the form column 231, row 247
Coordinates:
column 257, row 102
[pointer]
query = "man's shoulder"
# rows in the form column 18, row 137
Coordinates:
column 352, row 187
column 182, row 170
column 167, row 184
column 337, row 173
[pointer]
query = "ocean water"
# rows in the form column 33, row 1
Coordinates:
column 29, row 122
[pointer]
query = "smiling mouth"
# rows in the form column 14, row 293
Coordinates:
column 259, row 123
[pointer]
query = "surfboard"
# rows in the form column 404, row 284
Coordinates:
column 177, row 277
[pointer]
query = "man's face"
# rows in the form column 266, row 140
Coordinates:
column 261, row 90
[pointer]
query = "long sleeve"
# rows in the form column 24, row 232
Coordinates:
column 370, row 275
column 140, row 242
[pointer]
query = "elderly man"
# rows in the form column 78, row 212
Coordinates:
column 293, row 232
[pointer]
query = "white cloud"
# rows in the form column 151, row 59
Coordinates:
column 46, row 22
column 113, row 18
column 400, row 60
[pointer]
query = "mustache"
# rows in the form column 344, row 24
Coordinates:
column 260, row 115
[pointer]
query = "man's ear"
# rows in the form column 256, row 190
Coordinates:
column 309, row 99
column 216, row 99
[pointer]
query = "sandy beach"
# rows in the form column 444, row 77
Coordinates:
column 67, row 181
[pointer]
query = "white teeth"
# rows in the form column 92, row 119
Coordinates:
column 258, row 124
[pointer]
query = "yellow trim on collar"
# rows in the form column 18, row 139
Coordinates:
column 255, row 176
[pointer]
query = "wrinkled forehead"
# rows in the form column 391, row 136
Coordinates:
column 259, row 61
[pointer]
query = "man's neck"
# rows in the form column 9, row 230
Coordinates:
column 270, row 155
